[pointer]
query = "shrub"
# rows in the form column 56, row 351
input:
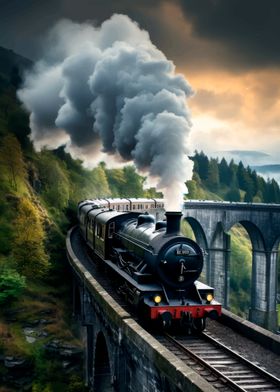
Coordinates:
column 11, row 285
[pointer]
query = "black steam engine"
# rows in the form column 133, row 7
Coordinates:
column 154, row 266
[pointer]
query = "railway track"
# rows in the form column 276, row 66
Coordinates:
column 225, row 369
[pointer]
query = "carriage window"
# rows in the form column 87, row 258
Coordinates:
column 127, row 207
column 133, row 207
column 99, row 231
column 111, row 229
column 118, row 207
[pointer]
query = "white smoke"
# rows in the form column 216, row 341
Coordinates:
column 110, row 88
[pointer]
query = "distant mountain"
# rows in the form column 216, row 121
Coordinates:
column 248, row 153
column 248, row 157
column 268, row 171
column 267, row 168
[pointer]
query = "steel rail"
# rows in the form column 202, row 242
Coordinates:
column 274, row 381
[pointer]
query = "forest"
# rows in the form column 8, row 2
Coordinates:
column 39, row 191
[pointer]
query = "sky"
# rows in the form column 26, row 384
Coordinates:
column 229, row 51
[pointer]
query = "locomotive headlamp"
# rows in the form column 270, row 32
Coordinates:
column 209, row 297
column 157, row 299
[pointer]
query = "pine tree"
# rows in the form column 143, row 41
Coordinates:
column 232, row 174
column 233, row 194
column 273, row 192
column 213, row 180
column 224, row 172
column 202, row 164
column 248, row 198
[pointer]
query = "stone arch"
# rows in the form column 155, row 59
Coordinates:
column 276, row 244
column 102, row 369
column 198, row 232
column 256, row 237
column 201, row 239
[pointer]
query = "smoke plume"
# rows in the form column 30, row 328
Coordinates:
column 111, row 89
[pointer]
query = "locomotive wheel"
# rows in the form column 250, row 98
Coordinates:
column 165, row 321
column 198, row 324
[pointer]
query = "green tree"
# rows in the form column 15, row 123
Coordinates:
column 233, row 181
column 18, row 124
column 11, row 285
column 233, row 194
column 248, row 198
column 245, row 180
column 152, row 193
column 116, row 180
column 11, row 161
column 29, row 241
column 202, row 162
column 54, row 181
column 224, row 172
column 100, row 181
column 258, row 198
column 272, row 194
column 213, row 180
column 133, row 186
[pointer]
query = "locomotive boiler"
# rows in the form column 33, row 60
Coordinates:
column 152, row 264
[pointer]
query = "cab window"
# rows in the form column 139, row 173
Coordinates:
column 111, row 229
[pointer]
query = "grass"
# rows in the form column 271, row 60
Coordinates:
column 38, row 302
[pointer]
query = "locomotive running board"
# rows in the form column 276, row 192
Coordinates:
column 150, row 287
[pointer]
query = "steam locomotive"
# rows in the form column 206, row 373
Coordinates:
column 154, row 266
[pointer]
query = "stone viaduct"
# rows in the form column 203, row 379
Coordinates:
column 211, row 223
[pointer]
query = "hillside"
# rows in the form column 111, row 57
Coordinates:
column 9, row 60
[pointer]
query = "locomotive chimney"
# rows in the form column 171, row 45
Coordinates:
column 173, row 219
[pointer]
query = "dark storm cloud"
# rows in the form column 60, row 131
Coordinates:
column 234, row 34
column 23, row 23
column 249, row 29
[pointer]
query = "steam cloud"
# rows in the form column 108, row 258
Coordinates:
column 110, row 88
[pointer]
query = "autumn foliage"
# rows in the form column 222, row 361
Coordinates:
column 29, row 247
